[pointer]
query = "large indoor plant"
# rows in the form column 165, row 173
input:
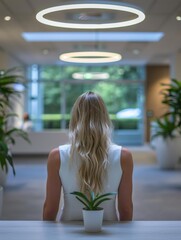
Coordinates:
column 8, row 97
column 167, row 134
column 92, row 212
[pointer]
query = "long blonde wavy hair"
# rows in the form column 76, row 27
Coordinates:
column 90, row 130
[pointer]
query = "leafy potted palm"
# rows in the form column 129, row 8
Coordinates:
column 92, row 212
column 8, row 95
column 168, row 127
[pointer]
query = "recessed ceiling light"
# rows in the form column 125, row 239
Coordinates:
column 45, row 51
column 90, row 57
column 90, row 75
column 178, row 18
column 2, row 72
column 136, row 51
column 140, row 16
column 7, row 18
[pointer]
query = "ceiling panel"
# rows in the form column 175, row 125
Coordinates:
column 17, row 6
column 160, row 16
column 165, row 7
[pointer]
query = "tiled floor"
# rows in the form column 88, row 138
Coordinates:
column 156, row 196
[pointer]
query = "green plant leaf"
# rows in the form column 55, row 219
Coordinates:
column 100, row 201
column 103, row 195
column 3, row 162
column 10, row 160
column 95, row 200
column 92, row 195
column 81, row 195
column 86, row 205
column 166, row 126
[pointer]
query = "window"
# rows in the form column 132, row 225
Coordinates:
column 54, row 89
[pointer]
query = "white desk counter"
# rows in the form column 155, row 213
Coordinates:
column 136, row 230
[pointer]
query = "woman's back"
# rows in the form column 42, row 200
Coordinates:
column 90, row 162
column 72, row 209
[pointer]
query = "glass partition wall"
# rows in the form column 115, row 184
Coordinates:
column 52, row 91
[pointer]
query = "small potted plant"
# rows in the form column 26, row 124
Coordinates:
column 92, row 212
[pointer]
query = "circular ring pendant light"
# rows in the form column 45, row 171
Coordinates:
column 90, row 57
column 140, row 16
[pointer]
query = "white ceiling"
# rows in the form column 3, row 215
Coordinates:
column 160, row 17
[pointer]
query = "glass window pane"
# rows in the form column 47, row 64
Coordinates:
column 121, row 87
column 112, row 72
column 51, row 105
column 121, row 101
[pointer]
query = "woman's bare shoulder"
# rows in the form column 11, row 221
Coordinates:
column 54, row 153
column 54, row 157
column 126, row 158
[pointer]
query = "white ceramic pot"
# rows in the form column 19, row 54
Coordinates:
column 93, row 220
column 168, row 152
column 1, row 200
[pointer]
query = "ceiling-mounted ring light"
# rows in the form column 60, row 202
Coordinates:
column 140, row 16
column 90, row 57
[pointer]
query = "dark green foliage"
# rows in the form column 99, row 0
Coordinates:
column 127, row 123
column 7, row 133
column 165, row 127
column 170, row 122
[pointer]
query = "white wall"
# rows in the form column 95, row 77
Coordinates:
column 41, row 142
column 7, row 61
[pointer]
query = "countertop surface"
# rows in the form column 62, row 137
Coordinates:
column 137, row 230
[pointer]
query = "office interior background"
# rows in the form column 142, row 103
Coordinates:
column 130, row 87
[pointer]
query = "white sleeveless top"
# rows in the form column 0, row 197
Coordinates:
column 72, row 208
